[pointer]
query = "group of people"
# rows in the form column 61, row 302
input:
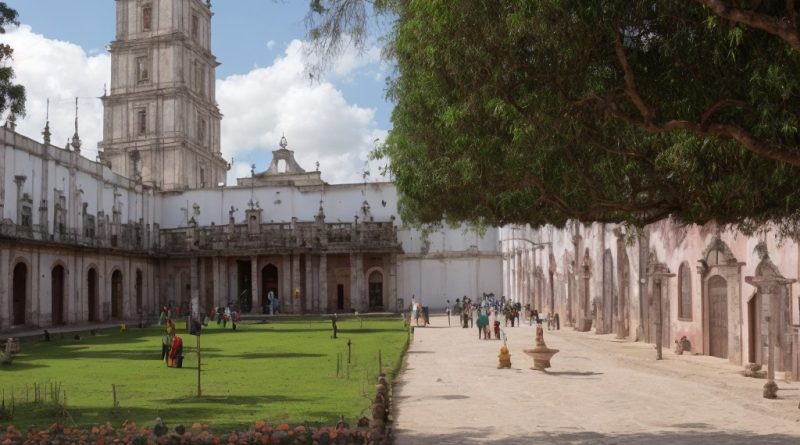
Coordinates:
column 171, row 345
column 227, row 313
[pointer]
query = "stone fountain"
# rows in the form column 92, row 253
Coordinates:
column 541, row 354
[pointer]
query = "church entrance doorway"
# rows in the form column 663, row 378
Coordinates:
column 20, row 291
column 376, row 291
column 718, row 316
column 245, row 293
column 116, row 294
column 139, row 284
column 91, row 281
column 269, row 283
column 57, row 295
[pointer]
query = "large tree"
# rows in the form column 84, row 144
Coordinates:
column 518, row 111
column 12, row 96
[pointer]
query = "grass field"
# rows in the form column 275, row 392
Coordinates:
column 282, row 371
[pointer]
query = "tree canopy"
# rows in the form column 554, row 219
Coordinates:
column 12, row 96
column 538, row 112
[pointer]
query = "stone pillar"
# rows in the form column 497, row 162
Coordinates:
column 767, row 283
column 296, row 303
column 5, row 287
column 34, row 304
column 285, row 293
column 392, row 272
column 356, row 282
column 254, row 285
column 218, row 281
column 194, row 279
column 323, row 283
column 309, row 294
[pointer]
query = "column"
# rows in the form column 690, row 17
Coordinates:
column 33, row 307
column 254, row 287
column 309, row 294
column 194, row 279
column 391, row 304
column 5, row 288
column 217, row 280
column 296, row 284
column 323, row 283
column 285, row 293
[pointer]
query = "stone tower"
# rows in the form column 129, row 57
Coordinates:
column 161, row 120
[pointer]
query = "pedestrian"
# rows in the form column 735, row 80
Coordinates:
column 333, row 325
column 479, row 323
column 270, row 297
column 448, row 313
column 276, row 305
column 558, row 322
column 414, row 311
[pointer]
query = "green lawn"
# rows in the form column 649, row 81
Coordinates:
column 282, row 371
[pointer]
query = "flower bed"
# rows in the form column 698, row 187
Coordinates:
column 260, row 434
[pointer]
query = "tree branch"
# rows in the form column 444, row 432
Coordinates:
column 779, row 27
column 724, row 103
column 630, row 82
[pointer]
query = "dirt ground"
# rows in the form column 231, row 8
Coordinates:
column 600, row 390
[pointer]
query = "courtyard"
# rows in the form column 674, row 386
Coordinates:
column 281, row 371
column 600, row 390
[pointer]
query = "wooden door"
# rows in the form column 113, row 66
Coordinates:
column 718, row 316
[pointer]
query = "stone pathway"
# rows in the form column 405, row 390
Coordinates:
column 599, row 391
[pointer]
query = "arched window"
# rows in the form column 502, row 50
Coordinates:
column 684, row 292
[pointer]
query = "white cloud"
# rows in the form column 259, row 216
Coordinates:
column 319, row 123
column 271, row 44
column 258, row 106
column 60, row 71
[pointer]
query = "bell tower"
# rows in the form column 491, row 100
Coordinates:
column 161, row 120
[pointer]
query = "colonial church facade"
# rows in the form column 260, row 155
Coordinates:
column 150, row 223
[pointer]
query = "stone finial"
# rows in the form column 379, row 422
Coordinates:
column 46, row 133
column 284, row 143
column 76, row 140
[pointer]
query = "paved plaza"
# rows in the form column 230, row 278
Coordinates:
column 600, row 390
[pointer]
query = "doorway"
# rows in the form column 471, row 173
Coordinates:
column 376, row 291
column 20, row 293
column 245, row 293
column 91, row 281
column 718, row 316
column 57, row 295
column 269, row 283
column 116, row 294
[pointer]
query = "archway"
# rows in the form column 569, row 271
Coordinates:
column 116, row 294
column 57, row 295
column 139, row 284
column 20, row 293
column 269, row 283
column 721, row 302
column 375, row 291
column 718, row 316
column 91, row 282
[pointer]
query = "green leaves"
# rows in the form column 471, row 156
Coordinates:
column 514, row 111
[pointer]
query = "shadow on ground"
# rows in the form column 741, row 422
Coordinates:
column 694, row 434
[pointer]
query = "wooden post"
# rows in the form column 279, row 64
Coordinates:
column 199, row 390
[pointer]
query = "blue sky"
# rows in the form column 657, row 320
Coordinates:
column 258, row 44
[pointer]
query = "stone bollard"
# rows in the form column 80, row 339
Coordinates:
column 505, row 358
